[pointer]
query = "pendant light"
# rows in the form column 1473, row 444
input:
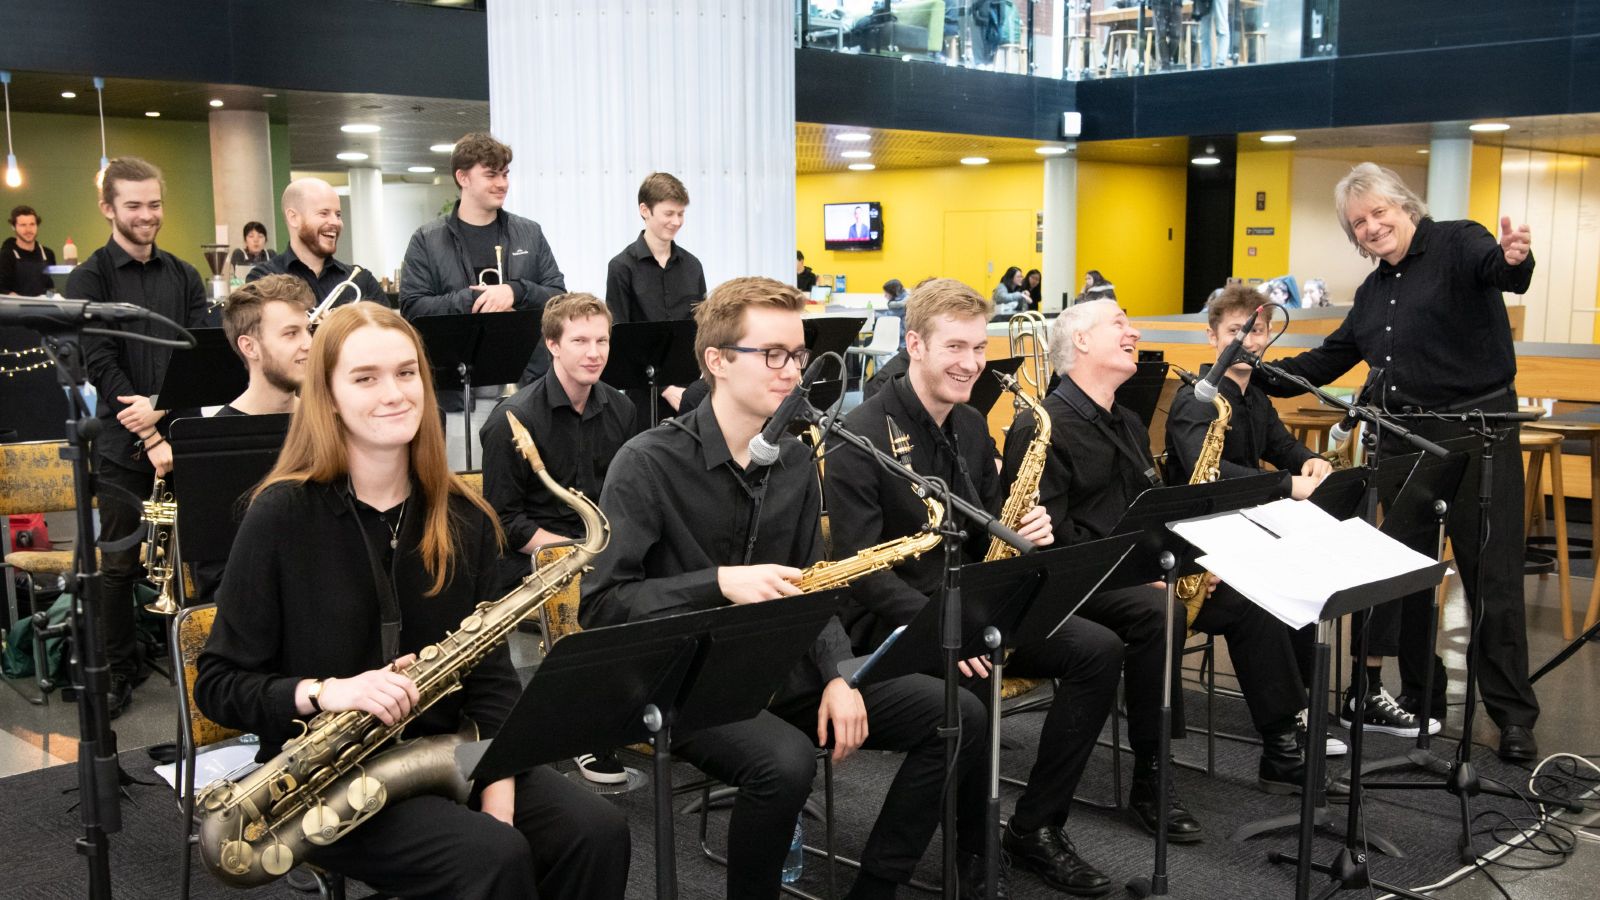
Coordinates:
column 13, row 173
column 100, row 100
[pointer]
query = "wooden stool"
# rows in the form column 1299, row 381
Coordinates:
column 1585, row 431
column 1191, row 42
column 1011, row 58
column 1252, row 47
column 1079, row 54
column 1540, row 445
column 1306, row 424
column 1122, row 49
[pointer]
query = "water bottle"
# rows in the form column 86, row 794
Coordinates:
column 795, row 862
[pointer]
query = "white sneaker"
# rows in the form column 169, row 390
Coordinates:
column 602, row 768
column 1336, row 747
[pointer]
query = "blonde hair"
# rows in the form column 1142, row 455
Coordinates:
column 1373, row 180
column 719, row 319
column 242, row 314
column 315, row 448
column 566, row 307
column 937, row 297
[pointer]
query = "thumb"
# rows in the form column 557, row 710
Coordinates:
column 404, row 662
column 127, row 399
column 1505, row 226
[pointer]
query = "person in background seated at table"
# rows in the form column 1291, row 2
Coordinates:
column 1009, row 298
column 254, row 251
column 804, row 278
column 1033, row 283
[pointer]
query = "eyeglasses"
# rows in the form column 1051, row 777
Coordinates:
column 777, row 357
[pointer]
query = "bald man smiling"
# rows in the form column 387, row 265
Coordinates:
column 312, row 212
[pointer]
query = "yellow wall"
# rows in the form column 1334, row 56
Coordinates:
column 1270, row 171
column 1131, row 228
column 967, row 222
column 1483, row 194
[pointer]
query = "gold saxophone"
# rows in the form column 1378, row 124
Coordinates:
column 1025, row 488
column 829, row 574
column 160, row 512
column 344, row 768
column 1207, row 468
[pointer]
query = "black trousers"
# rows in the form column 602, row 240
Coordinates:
column 772, row 760
column 1138, row 616
column 121, row 514
column 1085, row 659
column 1401, row 626
column 568, row 843
column 1263, row 658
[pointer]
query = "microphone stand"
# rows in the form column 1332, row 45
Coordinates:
column 949, row 604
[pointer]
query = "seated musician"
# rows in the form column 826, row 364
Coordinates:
column 578, row 423
column 945, row 340
column 362, row 487
column 697, row 524
column 1099, row 462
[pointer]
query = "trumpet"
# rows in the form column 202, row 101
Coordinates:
column 498, row 271
column 161, row 548
column 1029, row 338
column 327, row 303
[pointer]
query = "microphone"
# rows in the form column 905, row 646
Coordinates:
column 764, row 446
column 1206, row 390
column 44, row 315
column 1341, row 432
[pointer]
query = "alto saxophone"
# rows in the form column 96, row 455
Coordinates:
column 1025, row 489
column 829, row 574
column 1207, row 468
column 344, row 768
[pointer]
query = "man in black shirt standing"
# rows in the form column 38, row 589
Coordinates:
column 23, row 259
column 946, row 336
column 697, row 524
column 451, row 262
column 1431, row 315
column 654, row 279
column 315, row 220
column 131, row 449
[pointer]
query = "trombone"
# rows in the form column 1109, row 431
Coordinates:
column 1029, row 338
column 335, row 294
column 498, row 271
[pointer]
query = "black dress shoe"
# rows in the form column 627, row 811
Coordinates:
column 1144, row 798
column 1283, row 764
column 1517, row 744
column 1049, row 853
column 121, row 696
column 971, row 874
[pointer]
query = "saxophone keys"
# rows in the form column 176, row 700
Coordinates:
column 236, row 857
column 277, row 860
column 366, row 795
column 320, row 825
column 472, row 623
column 429, row 653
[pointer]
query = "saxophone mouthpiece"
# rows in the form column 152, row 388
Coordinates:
column 524, row 442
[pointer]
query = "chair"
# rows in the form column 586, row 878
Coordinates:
column 34, row 478
column 1542, row 445
column 1311, row 426
column 1589, row 432
column 474, row 480
column 884, row 344
column 1121, row 51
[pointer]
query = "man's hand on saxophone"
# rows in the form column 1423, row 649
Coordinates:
column 387, row 693
column 1037, row 528
column 753, row 584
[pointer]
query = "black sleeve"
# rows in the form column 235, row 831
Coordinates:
column 1482, row 253
column 547, row 282
column 832, row 646
column 507, row 481
column 1188, row 420
column 619, row 291
column 492, row 687
column 8, row 271
column 100, row 354
column 855, row 521
column 1282, row 450
column 1337, row 355
column 197, row 308
column 371, row 289
column 1054, row 482
column 421, row 289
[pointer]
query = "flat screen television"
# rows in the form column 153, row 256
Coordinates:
column 852, row 226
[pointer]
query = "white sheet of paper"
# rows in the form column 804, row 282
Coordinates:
column 213, row 763
column 1287, row 517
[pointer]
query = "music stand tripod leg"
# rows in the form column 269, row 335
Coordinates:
column 465, row 371
column 666, row 851
column 1156, row 885
column 997, row 658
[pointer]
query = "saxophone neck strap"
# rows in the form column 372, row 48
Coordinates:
column 389, row 620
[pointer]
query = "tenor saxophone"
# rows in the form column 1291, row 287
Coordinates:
column 1207, row 468
column 1025, row 488
column 346, row 766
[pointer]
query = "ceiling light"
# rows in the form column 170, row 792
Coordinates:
column 1277, row 139
column 853, row 136
column 1423, row 151
column 216, row 104
column 270, row 96
column 443, row 148
column 862, row 167
column 974, row 160
column 857, row 154
column 100, row 107
column 13, row 173
column 351, row 156
column 360, row 128
column 1489, row 126
column 420, row 170
column 152, row 114
column 69, row 95
column 1205, row 160
column 1050, row 151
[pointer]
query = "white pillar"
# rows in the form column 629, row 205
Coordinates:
column 241, row 173
column 1060, row 230
column 363, row 238
column 593, row 95
column 1449, row 177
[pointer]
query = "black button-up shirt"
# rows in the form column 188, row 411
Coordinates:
column 680, row 507
column 867, row 505
column 577, row 449
column 333, row 274
column 1255, row 433
column 1436, row 323
column 639, row 289
column 165, row 285
column 1099, row 460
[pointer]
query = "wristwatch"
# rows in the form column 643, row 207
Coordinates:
column 313, row 694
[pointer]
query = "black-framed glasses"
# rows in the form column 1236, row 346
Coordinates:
column 777, row 357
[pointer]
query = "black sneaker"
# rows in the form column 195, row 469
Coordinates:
column 1411, row 703
column 1049, row 853
column 1384, row 716
column 602, row 768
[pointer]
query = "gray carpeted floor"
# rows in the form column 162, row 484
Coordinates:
column 35, row 815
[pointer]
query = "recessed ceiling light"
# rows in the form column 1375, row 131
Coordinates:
column 862, row 167
column 69, row 95
column 974, row 160
column 443, row 148
column 853, row 136
column 1050, row 151
column 1489, row 126
column 1423, row 151
column 1205, row 160
column 360, row 128
column 420, row 170
column 856, row 154
column 351, row 156
column 270, row 96
column 216, row 104
column 1278, row 139
column 153, row 114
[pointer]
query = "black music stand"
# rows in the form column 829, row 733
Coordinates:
column 475, row 349
column 223, row 457
column 986, row 391
column 832, row 334
column 608, row 687
column 207, row 374
column 650, row 355
column 1142, row 392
